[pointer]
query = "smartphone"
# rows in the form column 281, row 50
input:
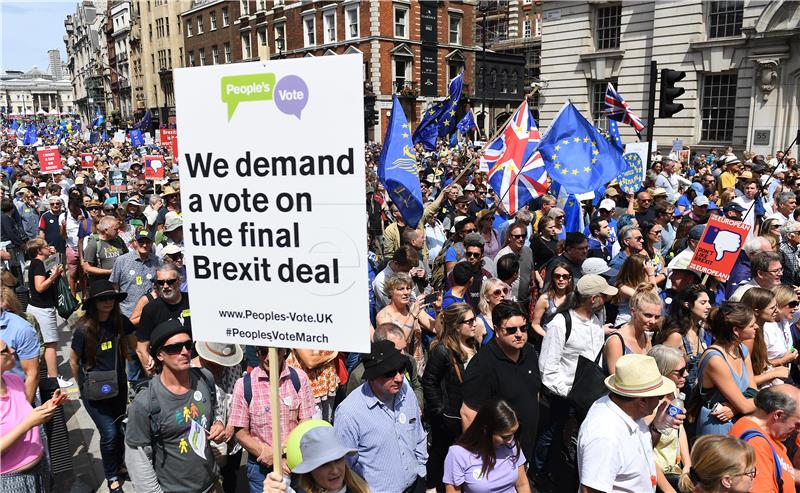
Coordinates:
column 430, row 298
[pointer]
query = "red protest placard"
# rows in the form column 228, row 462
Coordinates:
column 49, row 159
column 719, row 247
column 154, row 167
column 87, row 160
column 169, row 140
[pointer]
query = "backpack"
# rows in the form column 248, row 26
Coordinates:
column 155, row 409
column 248, row 384
column 747, row 435
column 438, row 273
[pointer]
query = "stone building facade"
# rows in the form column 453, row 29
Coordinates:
column 741, row 58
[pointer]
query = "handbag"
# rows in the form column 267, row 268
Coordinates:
column 101, row 385
column 589, row 384
column 67, row 304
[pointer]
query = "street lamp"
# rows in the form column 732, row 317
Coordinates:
column 483, row 8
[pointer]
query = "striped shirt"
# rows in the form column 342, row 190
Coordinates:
column 257, row 418
column 391, row 444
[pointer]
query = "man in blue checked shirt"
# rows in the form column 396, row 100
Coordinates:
column 381, row 419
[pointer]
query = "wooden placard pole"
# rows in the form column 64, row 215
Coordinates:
column 275, row 408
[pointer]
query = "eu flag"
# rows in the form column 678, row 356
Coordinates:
column 433, row 119
column 144, row 122
column 137, row 140
column 576, row 155
column 31, row 135
column 613, row 132
column 99, row 118
column 14, row 125
column 466, row 123
column 397, row 167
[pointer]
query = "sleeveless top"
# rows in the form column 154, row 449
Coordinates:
column 625, row 349
column 706, row 423
column 414, row 335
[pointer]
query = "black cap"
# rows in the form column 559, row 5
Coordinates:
column 163, row 332
column 733, row 206
column 142, row 233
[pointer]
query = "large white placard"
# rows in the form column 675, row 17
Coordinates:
column 272, row 189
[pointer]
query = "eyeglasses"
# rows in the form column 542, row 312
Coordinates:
column 779, row 270
column 498, row 292
column 162, row 282
column 656, row 231
column 481, row 192
column 519, row 237
column 469, row 321
column 793, row 304
column 177, row 347
column 5, row 350
column 562, row 277
column 174, row 256
column 468, row 231
column 262, row 353
column 637, row 238
column 510, row 331
column 472, row 255
column 645, row 200
column 752, row 474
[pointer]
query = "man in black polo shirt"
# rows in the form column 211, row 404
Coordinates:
column 506, row 368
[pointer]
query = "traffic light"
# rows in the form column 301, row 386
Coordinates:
column 370, row 114
column 667, row 106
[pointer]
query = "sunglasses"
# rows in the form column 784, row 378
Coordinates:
column 498, row 292
column 510, row 331
column 793, row 304
column 5, row 350
column 174, row 256
column 561, row 277
column 680, row 371
column 178, row 347
column 162, row 282
column 469, row 321
column 392, row 373
column 262, row 353
column 472, row 255
column 519, row 237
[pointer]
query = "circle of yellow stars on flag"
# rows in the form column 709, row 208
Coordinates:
column 630, row 181
column 565, row 169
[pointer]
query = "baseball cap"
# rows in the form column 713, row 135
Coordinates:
column 698, row 188
column 144, row 233
column 611, row 192
column 171, row 249
column 469, row 188
column 700, row 201
column 607, row 205
column 594, row 284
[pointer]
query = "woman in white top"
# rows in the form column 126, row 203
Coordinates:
column 778, row 334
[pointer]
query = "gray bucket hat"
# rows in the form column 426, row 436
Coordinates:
column 318, row 447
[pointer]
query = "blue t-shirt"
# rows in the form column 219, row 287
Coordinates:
column 20, row 335
column 454, row 253
column 449, row 298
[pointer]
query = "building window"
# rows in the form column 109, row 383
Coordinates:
column 169, row 59
column 526, row 28
column 227, row 49
column 599, row 102
column 402, row 72
column 178, row 24
column 725, row 19
column 351, row 15
column 400, row 22
column 188, row 28
column 455, row 29
column 280, row 32
column 202, row 52
column 607, row 26
column 718, row 107
column 262, row 36
column 512, row 83
column 212, row 18
column 454, row 67
column 166, row 23
column 246, row 48
column 225, row 18
column 214, row 55
column 308, row 31
column 329, row 20
column 262, row 4
column 199, row 24
column 245, row 8
column 503, row 82
column 537, row 27
column 180, row 54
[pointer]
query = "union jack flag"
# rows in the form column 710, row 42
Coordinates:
column 619, row 110
column 516, row 170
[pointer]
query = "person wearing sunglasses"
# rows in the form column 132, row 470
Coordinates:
column 181, row 403
column 381, row 420
column 645, row 210
column 515, row 244
column 671, row 452
column 170, row 304
column 506, row 368
column 778, row 334
column 100, row 342
column 560, row 286
column 631, row 242
column 488, row 456
column 493, row 291
column 774, row 420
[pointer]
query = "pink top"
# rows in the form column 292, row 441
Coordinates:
column 14, row 407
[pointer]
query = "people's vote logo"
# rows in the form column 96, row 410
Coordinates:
column 290, row 93
column 722, row 241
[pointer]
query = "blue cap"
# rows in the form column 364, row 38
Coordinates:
column 698, row 188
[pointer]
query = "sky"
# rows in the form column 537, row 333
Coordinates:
column 28, row 29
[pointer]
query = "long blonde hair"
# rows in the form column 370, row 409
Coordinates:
column 451, row 317
column 352, row 481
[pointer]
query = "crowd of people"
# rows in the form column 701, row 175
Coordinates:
column 508, row 353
